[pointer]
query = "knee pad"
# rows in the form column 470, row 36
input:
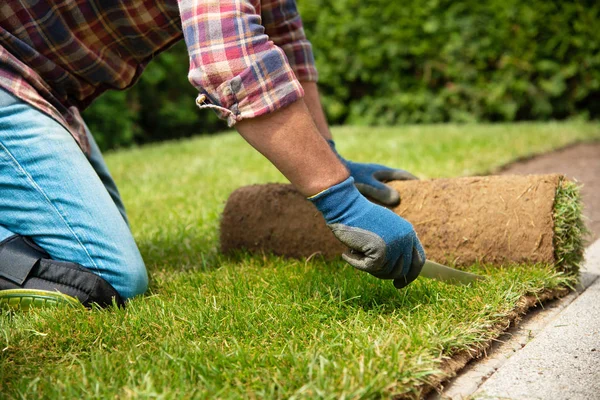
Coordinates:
column 24, row 265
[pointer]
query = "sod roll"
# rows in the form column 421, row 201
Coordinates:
column 493, row 219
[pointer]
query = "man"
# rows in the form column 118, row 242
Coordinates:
column 64, row 234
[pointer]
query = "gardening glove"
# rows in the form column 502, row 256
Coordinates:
column 381, row 243
column 369, row 179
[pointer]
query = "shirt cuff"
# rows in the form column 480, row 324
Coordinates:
column 265, row 85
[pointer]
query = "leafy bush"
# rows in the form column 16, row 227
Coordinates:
column 113, row 120
column 166, row 100
column 159, row 107
column 385, row 62
column 412, row 61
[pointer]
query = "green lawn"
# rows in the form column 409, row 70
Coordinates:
column 217, row 327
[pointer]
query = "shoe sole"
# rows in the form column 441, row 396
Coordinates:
column 24, row 299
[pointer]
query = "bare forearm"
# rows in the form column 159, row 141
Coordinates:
column 313, row 102
column 291, row 141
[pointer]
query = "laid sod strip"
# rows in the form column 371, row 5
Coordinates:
column 268, row 327
column 461, row 221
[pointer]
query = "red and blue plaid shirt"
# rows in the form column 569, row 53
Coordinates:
column 246, row 56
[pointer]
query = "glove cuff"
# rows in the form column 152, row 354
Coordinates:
column 338, row 201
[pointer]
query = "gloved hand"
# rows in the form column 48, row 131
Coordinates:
column 369, row 179
column 381, row 243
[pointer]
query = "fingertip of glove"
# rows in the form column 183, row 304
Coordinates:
column 416, row 266
column 400, row 283
column 384, row 194
column 393, row 199
column 355, row 259
column 391, row 174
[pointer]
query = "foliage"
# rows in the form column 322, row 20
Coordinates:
column 166, row 100
column 159, row 107
column 113, row 120
column 385, row 62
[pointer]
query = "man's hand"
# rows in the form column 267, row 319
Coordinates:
column 369, row 179
column 381, row 243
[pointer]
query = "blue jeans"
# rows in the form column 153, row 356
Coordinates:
column 66, row 202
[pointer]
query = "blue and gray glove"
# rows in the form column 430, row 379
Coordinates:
column 369, row 179
column 381, row 243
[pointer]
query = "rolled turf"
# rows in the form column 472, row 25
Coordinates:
column 462, row 221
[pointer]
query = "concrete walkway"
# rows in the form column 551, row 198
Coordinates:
column 554, row 354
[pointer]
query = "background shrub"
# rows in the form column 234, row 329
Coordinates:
column 385, row 62
column 160, row 106
column 410, row 61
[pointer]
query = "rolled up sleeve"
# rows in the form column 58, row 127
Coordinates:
column 238, row 70
column 283, row 24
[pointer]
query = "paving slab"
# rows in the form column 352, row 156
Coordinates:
column 471, row 379
column 563, row 360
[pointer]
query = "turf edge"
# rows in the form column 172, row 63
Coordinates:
column 450, row 366
column 570, row 231
column 570, row 235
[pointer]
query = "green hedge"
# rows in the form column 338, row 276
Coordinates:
column 159, row 107
column 387, row 62
column 409, row 61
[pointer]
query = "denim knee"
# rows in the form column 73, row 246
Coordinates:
column 137, row 280
column 128, row 276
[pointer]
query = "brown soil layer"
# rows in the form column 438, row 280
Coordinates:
column 275, row 218
column 490, row 219
column 580, row 162
column 494, row 219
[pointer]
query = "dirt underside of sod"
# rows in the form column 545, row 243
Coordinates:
column 461, row 221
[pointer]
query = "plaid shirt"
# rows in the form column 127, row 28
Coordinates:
column 246, row 56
